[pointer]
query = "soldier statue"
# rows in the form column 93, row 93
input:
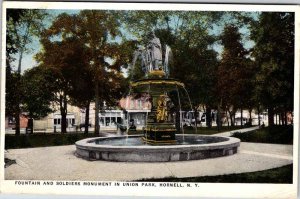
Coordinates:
column 155, row 50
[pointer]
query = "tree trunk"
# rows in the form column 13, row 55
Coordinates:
column 241, row 117
column 219, row 124
column 18, row 108
column 271, row 116
column 20, row 61
column 177, row 121
column 97, row 127
column 208, row 117
column 87, row 118
column 227, row 119
column 195, row 116
column 282, row 118
column 63, row 113
column 232, row 120
column 250, row 119
column 258, row 112
column 285, row 118
column 17, row 125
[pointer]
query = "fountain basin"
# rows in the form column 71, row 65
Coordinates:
column 132, row 148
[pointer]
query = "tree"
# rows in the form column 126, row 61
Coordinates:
column 101, row 28
column 37, row 88
column 22, row 26
column 233, row 73
column 81, row 46
column 273, row 52
column 68, row 60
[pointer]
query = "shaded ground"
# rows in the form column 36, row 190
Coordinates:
column 281, row 175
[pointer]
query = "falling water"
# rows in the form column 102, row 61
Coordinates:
column 147, row 116
column 127, row 107
column 168, row 58
column 191, row 108
column 180, row 112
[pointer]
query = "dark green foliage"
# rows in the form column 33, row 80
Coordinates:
column 235, row 73
column 187, row 33
column 273, row 34
column 38, row 92
column 281, row 175
column 274, row 134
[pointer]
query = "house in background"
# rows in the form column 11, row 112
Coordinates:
column 136, row 110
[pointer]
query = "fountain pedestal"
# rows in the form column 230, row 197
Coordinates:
column 160, row 133
column 159, row 128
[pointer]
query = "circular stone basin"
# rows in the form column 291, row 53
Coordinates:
column 133, row 149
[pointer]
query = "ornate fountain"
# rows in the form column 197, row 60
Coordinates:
column 162, row 92
column 163, row 138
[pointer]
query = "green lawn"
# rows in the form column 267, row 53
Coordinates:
column 281, row 175
column 275, row 135
column 43, row 139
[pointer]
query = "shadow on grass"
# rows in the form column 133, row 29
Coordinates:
column 281, row 175
column 275, row 135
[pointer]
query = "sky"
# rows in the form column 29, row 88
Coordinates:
column 29, row 61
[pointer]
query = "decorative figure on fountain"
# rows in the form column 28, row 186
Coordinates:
column 152, row 57
column 155, row 51
column 162, row 109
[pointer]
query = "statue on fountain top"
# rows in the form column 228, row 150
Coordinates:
column 155, row 52
column 151, row 57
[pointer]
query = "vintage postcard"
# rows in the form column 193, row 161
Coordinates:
column 150, row 99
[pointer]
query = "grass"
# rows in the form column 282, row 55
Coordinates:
column 274, row 135
column 43, row 140
column 281, row 175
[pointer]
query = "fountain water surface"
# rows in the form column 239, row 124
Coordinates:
column 163, row 136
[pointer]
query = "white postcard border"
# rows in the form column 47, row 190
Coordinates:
column 215, row 190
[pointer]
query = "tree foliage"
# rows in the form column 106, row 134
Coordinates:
column 187, row 33
column 22, row 25
column 82, row 51
column 38, row 92
column 273, row 34
column 234, row 73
